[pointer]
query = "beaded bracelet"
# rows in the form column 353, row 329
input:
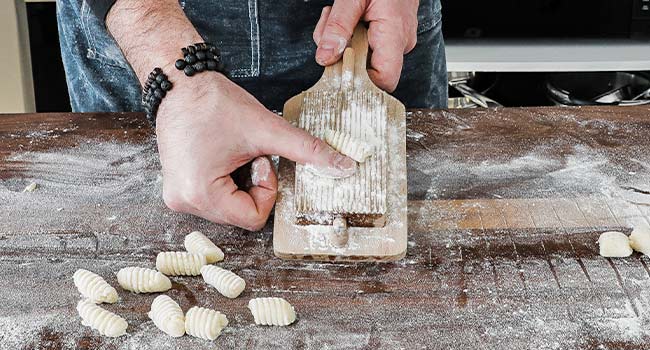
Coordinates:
column 155, row 89
column 196, row 58
column 200, row 57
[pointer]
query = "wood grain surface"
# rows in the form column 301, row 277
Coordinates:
column 505, row 207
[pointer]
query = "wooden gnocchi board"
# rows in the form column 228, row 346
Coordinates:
column 373, row 201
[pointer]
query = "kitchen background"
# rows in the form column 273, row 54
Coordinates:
column 506, row 52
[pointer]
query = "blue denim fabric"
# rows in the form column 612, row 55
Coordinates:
column 266, row 45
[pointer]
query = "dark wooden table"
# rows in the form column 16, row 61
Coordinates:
column 505, row 207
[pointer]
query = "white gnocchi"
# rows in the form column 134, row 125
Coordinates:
column 197, row 242
column 349, row 145
column 180, row 263
column 640, row 239
column 168, row 316
column 272, row 311
column 142, row 280
column 204, row 323
column 104, row 321
column 94, row 287
column 227, row 283
column 614, row 245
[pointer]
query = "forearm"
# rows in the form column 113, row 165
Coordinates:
column 151, row 33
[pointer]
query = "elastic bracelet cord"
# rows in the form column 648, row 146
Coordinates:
column 155, row 89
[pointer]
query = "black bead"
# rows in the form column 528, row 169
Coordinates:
column 190, row 59
column 211, row 64
column 160, row 78
column 189, row 71
column 159, row 93
column 180, row 64
column 185, row 52
column 214, row 50
column 157, row 70
column 166, row 85
column 153, row 85
column 200, row 55
column 209, row 55
column 191, row 49
column 199, row 66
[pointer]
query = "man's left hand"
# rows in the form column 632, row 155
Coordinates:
column 392, row 33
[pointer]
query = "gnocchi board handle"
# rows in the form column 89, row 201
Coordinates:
column 351, row 71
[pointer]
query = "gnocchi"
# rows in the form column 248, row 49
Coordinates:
column 272, row 311
column 348, row 145
column 197, row 242
column 94, row 287
column 168, row 316
column 142, row 280
column 227, row 283
column 204, row 323
column 180, row 263
column 104, row 321
column 614, row 245
column 640, row 239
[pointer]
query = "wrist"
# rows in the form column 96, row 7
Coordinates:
column 187, row 91
column 151, row 34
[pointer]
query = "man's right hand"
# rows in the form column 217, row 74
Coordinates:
column 208, row 127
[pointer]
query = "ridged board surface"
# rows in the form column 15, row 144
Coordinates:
column 362, row 197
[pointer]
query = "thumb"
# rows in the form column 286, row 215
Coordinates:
column 340, row 23
column 279, row 137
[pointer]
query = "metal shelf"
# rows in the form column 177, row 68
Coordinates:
column 548, row 55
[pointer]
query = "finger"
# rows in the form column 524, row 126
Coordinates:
column 342, row 19
column 248, row 210
column 320, row 26
column 387, row 55
column 279, row 137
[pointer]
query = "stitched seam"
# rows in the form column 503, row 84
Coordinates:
column 255, row 39
column 92, row 42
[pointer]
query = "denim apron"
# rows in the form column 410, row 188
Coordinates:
column 266, row 46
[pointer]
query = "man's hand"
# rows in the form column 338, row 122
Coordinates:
column 392, row 33
column 207, row 126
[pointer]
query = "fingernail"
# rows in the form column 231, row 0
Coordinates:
column 260, row 170
column 330, row 46
column 344, row 163
column 324, row 55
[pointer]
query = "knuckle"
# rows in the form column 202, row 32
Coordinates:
column 315, row 145
column 173, row 200
column 194, row 198
column 337, row 26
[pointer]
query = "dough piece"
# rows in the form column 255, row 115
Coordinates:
column 31, row 187
column 180, row 263
column 272, row 311
column 204, row 323
column 614, row 245
column 104, row 321
column 640, row 239
column 196, row 242
column 93, row 287
column 227, row 283
column 141, row 280
column 350, row 146
column 167, row 316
